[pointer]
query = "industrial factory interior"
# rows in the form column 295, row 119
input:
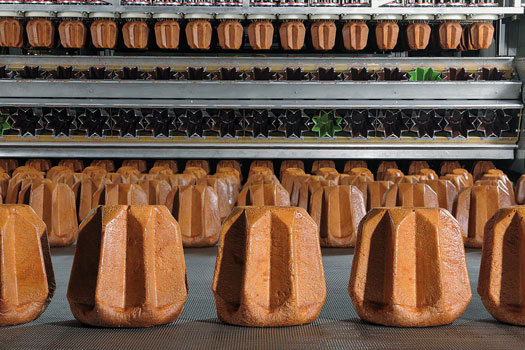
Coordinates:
column 262, row 174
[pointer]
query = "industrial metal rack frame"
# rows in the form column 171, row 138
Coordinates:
column 270, row 94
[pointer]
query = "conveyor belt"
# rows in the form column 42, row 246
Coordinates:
column 338, row 326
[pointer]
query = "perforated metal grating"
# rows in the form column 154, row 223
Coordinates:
column 198, row 327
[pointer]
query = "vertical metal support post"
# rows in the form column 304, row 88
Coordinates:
column 501, row 35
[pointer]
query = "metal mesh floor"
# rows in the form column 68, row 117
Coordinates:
column 198, row 327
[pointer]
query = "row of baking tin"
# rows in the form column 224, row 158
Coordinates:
column 291, row 124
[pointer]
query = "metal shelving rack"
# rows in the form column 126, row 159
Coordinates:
column 264, row 94
column 510, row 7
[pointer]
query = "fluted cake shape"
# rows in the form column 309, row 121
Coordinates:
column 337, row 210
column 498, row 181
column 25, row 169
column 230, row 172
column 156, row 191
column 446, row 193
column 325, row 171
column 139, row 164
column 28, row 281
column 11, row 33
column 225, row 198
column 167, row 34
column 292, row 184
column 450, row 35
column 292, row 35
column 128, row 269
column 309, row 187
column 40, row 33
column 196, row 209
column 72, row 34
column 386, row 35
column 409, row 268
column 475, row 206
column 55, row 204
column 458, row 180
column 481, row 167
column 120, row 194
column 182, row 180
column 323, row 35
column 8, row 164
column 230, row 35
column 260, row 35
column 416, row 166
column 469, row 178
column 172, row 164
column 39, row 164
column 318, row 164
column 355, row 35
column 411, row 195
column 197, row 172
column 4, row 183
column 160, row 173
column 351, row 164
column 14, row 185
column 269, row 270
column 361, row 172
column 263, row 195
column 383, row 167
column 233, row 185
column 198, row 34
column 501, row 283
column 136, row 35
column 375, row 192
column 285, row 164
column 447, row 167
column 56, row 171
column 227, row 163
column 290, row 173
column 394, row 175
column 254, row 170
column 429, row 174
column 262, row 163
column 106, row 164
column 260, row 179
column 77, row 165
column 26, row 189
column 481, row 35
column 418, row 35
column 104, row 34
column 89, row 185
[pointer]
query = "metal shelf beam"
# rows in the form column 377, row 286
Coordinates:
column 306, row 62
column 186, row 89
column 363, row 150
column 435, row 11
column 260, row 104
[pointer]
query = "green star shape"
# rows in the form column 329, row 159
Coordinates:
column 424, row 74
column 327, row 124
column 4, row 125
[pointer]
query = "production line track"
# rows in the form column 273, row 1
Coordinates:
column 338, row 326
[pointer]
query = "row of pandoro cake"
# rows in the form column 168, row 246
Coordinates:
column 129, row 270
column 198, row 29
column 337, row 202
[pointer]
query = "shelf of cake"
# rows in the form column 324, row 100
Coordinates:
column 247, row 62
column 307, row 90
column 299, row 150
column 253, row 10
column 260, row 104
